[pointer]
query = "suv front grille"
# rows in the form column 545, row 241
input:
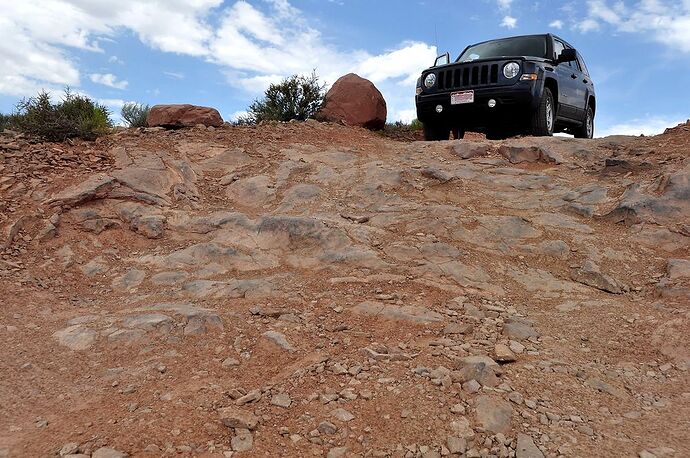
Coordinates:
column 468, row 76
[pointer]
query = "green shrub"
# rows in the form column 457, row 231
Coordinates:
column 75, row 116
column 135, row 114
column 402, row 131
column 5, row 121
column 416, row 124
column 297, row 97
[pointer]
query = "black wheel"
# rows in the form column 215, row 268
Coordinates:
column 434, row 133
column 587, row 128
column 458, row 133
column 544, row 118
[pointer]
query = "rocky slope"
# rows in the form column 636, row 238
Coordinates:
column 317, row 290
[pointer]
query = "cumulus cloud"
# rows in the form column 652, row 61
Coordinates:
column 108, row 79
column 254, row 45
column 504, row 4
column 257, row 48
column 557, row 24
column 667, row 22
column 509, row 22
column 36, row 36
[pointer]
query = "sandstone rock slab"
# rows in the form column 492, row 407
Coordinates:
column 183, row 115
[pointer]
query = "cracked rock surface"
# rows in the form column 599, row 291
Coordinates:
column 308, row 289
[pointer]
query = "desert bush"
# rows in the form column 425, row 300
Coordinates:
column 5, row 121
column 403, row 131
column 75, row 116
column 297, row 97
column 135, row 114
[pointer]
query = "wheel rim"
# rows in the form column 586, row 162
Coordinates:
column 590, row 124
column 549, row 115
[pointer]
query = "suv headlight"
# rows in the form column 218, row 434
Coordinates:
column 430, row 80
column 511, row 70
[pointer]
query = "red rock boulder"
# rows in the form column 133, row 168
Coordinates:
column 183, row 116
column 354, row 101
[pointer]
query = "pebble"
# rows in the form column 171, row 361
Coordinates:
column 342, row 415
column 281, row 400
column 242, row 441
column 107, row 452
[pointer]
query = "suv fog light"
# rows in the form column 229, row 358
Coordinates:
column 492, row 103
column 439, row 108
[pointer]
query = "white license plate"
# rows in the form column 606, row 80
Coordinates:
column 458, row 98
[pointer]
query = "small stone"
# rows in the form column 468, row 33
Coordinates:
column 279, row 339
column 526, row 447
column 326, row 427
column 107, row 452
column 230, row 362
column 342, row 415
column 461, row 428
column 281, row 400
column 337, row 452
column 233, row 417
column 70, row 448
column 516, row 347
column 458, row 409
column 456, row 445
column 503, row 354
column 493, row 414
column 472, row 386
column 515, row 397
column 242, row 441
column 252, row 396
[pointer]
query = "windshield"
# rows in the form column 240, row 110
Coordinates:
column 534, row 46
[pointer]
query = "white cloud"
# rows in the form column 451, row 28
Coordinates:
column 175, row 75
column 108, row 79
column 557, row 24
column 236, row 115
column 650, row 125
column 35, row 36
column 254, row 44
column 406, row 116
column 667, row 22
column 509, row 22
column 257, row 56
column 588, row 25
column 504, row 4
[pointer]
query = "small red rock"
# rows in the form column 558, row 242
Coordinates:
column 183, row 116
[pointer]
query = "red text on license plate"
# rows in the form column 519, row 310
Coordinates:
column 458, row 98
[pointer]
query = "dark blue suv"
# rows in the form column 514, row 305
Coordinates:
column 532, row 84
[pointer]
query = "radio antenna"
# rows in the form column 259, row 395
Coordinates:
column 436, row 37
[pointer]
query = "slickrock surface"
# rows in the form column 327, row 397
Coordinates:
column 318, row 290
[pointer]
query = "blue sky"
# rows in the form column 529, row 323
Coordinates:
column 224, row 53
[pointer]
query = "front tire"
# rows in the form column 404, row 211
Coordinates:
column 544, row 119
column 434, row 133
column 587, row 128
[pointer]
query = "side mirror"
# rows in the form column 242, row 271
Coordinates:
column 567, row 55
column 443, row 59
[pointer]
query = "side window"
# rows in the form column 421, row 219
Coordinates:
column 558, row 48
column 581, row 61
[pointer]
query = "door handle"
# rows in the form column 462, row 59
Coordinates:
column 573, row 76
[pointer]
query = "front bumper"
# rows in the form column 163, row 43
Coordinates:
column 517, row 100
